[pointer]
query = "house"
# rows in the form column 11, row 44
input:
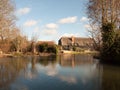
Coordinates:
column 75, row 43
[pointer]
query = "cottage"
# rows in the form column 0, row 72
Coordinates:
column 72, row 43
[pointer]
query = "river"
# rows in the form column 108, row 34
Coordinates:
column 62, row 72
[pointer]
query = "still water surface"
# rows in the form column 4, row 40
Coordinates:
column 63, row 72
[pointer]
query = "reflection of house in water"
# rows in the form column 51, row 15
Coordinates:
column 75, row 60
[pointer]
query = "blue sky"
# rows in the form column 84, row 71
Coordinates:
column 51, row 19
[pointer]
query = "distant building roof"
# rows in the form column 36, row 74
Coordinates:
column 46, row 42
column 75, row 40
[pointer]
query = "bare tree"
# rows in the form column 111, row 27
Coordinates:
column 7, row 18
column 34, row 39
column 11, row 37
column 101, row 12
column 95, row 34
column 19, row 41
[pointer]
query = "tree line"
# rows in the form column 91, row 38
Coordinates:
column 11, row 37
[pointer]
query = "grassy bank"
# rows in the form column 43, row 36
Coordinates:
column 75, row 52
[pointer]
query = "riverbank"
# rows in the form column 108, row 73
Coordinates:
column 15, row 54
column 25, row 54
column 74, row 52
column 5, row 55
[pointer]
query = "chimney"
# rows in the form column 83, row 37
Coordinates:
column 73, row 40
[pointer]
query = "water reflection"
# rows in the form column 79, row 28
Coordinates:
column 66, row 72
column 110, row 77
column 71, row 60
column 9, row 71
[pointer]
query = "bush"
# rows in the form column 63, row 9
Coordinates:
column 111, row 43
column 42, row 48
column 47, row 48
column 52, row 49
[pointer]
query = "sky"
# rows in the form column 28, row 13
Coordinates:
column 51, row 19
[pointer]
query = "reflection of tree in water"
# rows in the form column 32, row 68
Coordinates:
column 32, row 69
column 48, row 60
column 10, row 69
column 33, row 62
column 110, row 78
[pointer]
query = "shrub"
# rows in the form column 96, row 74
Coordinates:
column 47, row 48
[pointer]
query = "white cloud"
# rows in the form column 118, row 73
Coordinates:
column 70, row 35
column 68, row 20
column 68, row 79
column 52, row 26
column 93, row 27
column 87, row 26
column 36, row 29
column 50, row 31
column 23, row 11
column 30, row 23
column 51, row 71
column 83, row 19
